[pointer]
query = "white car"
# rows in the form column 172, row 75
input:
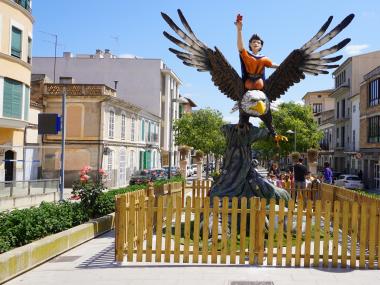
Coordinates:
column 349, row 181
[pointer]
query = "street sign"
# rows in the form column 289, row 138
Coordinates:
column 48, row 124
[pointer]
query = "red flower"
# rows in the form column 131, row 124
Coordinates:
column 84, row 178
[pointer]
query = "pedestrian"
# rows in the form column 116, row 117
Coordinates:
column 327, row 174
column 300, row 172
column 360, row 174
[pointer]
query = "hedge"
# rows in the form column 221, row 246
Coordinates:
column 20, row 227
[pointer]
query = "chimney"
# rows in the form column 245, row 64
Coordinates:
column 107, row 53
column 67, row 55
column 115, row 81
column 99, row 53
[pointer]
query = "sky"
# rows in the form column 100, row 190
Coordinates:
column 134, row 28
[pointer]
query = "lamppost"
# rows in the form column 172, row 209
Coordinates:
column 295, row 142
column 172, row 101
column 295, row 137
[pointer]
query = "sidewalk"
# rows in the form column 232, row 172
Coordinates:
column 93, row 263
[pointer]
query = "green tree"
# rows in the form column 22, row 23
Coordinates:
column 295, row 117
column 201, row 130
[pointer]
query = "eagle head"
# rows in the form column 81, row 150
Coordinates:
column 254, row 103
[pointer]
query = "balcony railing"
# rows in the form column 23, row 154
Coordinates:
column 79, row 90
column 24, row 4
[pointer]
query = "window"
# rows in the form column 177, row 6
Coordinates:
column 353, row 139
column 343, row 108
column 142, row 130
column 133, row 129
column 26, row 103
column 16, row 42
column 337, row 110
column 132, row 161
column 342, row 136
column 29, row 59
column 337, row 137
column 109, row 165
column 12, row 104
column 353, row 108
column 374, row 93
column 24, row 3
column 111, row 124
column 317, row 108
column 374, row 129
column 319, row 121
column 123, row 118
column 340, row 79
column 149, row 132
column 122, row 173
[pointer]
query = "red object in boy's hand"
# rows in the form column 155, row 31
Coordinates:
column 239, row 18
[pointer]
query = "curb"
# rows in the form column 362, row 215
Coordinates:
column 22, row 259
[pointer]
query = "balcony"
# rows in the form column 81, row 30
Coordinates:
column 24, row 4
column 79, row 90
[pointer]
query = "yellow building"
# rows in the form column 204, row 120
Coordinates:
column 16, row 24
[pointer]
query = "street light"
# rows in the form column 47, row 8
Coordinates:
column 180, row 100
column 295, row 137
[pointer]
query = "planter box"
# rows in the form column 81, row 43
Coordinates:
column 19, row 260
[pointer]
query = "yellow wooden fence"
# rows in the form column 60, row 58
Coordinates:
column 149, row 231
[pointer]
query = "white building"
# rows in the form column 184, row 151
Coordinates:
column 146, row 83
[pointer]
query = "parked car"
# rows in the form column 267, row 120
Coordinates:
column 349, row 181
column 195, row 168
column 175, row 171
column 158, row 174
column 141, row 177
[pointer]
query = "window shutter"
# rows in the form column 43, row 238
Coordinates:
column 12, row 104
column 27, row 103
column 16, row 42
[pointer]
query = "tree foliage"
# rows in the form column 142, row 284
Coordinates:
column 294, row 117
column 201, row 130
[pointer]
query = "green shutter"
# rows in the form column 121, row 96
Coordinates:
column 150, row 125
column 26, row 103
column 16, row 42
column 12, row 99
column 142, row 130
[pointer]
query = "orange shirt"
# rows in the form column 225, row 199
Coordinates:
column 255, row 65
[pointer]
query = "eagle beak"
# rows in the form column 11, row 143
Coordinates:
column 259, row 107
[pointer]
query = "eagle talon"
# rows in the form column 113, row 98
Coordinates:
column 278, row 138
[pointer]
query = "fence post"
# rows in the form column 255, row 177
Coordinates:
column 183, row 193
column 120, row 229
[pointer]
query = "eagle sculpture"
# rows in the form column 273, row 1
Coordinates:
column 305, row 60
column 239, row 177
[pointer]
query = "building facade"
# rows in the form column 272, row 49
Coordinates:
column 348, row 77
column 102, row 131
column 16, row 25
column 323, row 106
column 147, row 83
column 370, row 128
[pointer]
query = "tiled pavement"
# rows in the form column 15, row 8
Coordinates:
column 93, row 263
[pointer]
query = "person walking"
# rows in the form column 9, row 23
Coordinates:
column 327, row 173
column 300, row 172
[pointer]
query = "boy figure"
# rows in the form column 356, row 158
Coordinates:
column 252, row 65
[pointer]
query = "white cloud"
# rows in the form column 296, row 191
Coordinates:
column 352, row 50
column 187, row 85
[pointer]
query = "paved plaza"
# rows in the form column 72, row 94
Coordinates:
column 93, row 263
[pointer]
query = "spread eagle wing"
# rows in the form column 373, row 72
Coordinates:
column 198, row 55
column 306, row 60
